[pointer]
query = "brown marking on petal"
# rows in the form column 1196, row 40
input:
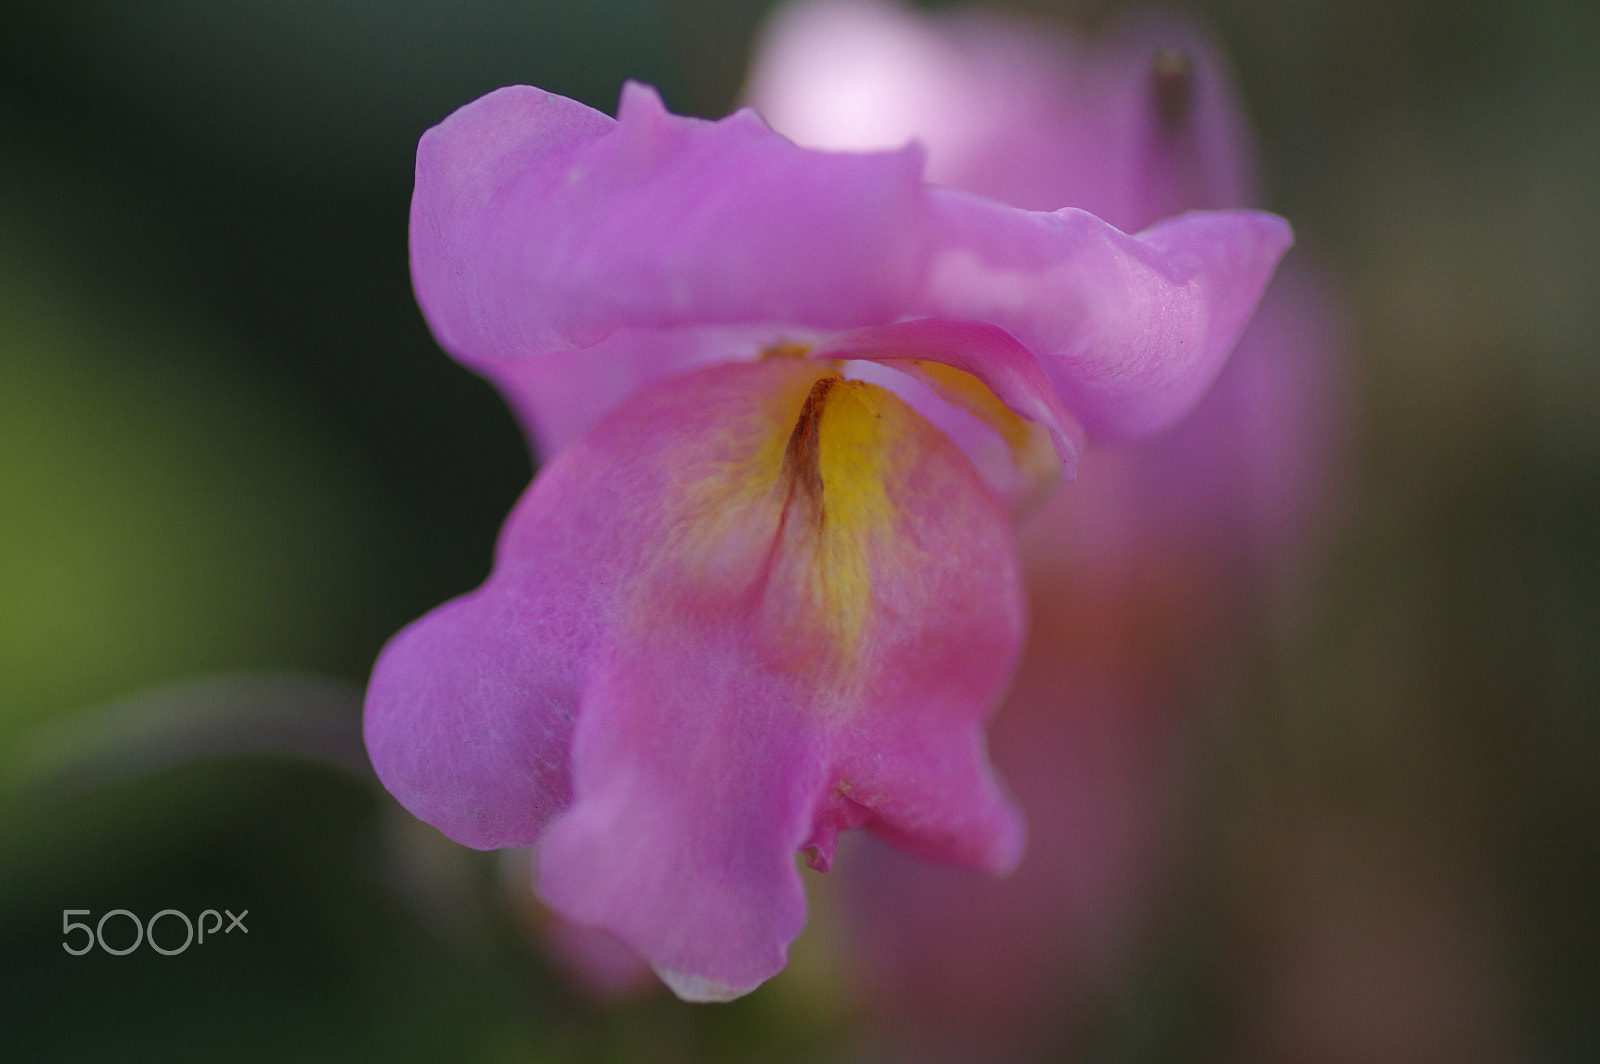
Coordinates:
column 802, row 456
column 1172, row 76
column 796, row 513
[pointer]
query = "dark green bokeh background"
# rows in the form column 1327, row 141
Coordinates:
column 227, row 441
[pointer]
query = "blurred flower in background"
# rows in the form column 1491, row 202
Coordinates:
column 1148, row 580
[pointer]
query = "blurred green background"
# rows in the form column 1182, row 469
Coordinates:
column 228, row 442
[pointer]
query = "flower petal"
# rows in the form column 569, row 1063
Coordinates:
column 469, row 717
column 1008, row 371
column 539, row 227
column 696, row 781
column 561, row 395
column 514, row 141
column 527, row 240
column 806, row 608
column 1131, row 329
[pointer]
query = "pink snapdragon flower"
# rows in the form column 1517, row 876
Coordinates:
column 755, row 596
column 1144, row 577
